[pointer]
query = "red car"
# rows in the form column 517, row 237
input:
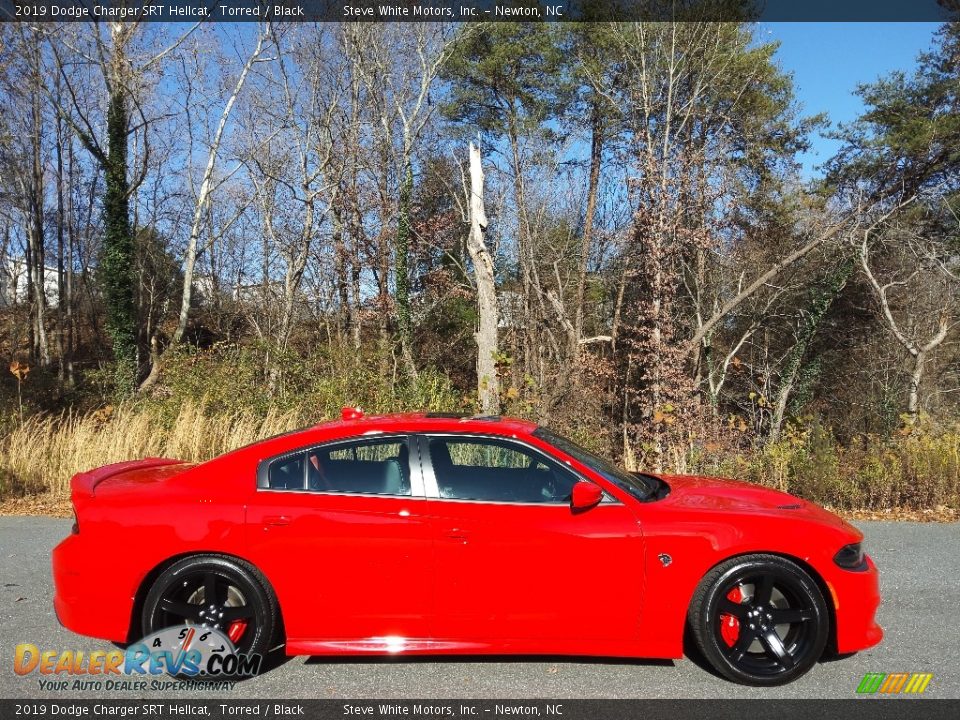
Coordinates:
column 440, row 534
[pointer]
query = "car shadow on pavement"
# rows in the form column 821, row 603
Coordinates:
column 272, row 660
column 693, row 654
column 829, row 656
column 486, row 659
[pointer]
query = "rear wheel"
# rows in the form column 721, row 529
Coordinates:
column 217, row 592
column 759, row 620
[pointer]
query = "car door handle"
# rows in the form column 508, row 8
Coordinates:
column 276, row 520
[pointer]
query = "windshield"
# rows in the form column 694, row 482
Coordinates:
column 641, row 487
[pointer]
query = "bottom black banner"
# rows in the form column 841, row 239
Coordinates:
column 859, row 709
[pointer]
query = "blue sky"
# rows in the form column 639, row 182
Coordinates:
column 829, row 60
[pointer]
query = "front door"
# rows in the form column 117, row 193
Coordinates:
column 340, row 530
column 515, row 565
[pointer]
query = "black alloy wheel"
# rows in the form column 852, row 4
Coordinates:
column 760, row 620
column 217, row 592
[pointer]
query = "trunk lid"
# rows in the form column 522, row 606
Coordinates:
column 133, row 472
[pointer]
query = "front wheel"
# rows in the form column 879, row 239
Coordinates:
column 217, row 592
column 759, row 620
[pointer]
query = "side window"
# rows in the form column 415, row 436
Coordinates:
column 379, row 467
column 287, row 473
column 497, row 471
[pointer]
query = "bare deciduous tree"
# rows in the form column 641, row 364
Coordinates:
column 921, row 318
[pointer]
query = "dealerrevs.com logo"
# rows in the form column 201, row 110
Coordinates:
column 188, row 653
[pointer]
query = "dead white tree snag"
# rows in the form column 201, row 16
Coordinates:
column 207, row 186
column 488, row 385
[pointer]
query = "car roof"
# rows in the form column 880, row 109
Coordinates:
column 433, row 422
column 353, row 423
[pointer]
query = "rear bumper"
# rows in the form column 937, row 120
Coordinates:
column 856, row 597
column 89, row 598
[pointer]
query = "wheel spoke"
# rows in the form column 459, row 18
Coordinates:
column 744, row 641
column 774, row 647
column 790, row 616
column 729, row 607
column 237, row 613
column 210, row 590
column 763, row 591
column 180, row 609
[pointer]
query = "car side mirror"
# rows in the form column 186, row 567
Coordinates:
column 585, row 495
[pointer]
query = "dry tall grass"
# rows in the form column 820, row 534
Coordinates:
column 919, row 469
column 916, row 468
column 44, row 453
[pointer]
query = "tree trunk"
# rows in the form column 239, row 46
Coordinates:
column 296, row 265
column 530, row 323
column 586, row 241
column 36, row 231
column 401, row 264
column 61, row 284
column 488, row 385
column 911, row 343
column 31, row 325
column 68, row 298
column 340, row 271
column 118, row 245
column 206, row 190
column 356, row 321
column 384, row 341
column 818, row 310
column 913, row 391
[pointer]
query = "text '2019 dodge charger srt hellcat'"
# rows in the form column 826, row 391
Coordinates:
column 440, row 534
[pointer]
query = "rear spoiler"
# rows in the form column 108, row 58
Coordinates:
column 85, row 484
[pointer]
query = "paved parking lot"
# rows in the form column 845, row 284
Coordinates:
column 920, row 575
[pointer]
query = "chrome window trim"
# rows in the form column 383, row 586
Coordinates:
column 335, row 493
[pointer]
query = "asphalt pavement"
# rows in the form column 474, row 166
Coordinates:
column 920, row 583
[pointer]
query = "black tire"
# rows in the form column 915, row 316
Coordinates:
column 238, row 587
column 778, row 628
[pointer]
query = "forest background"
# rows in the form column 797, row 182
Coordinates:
column 213, row 233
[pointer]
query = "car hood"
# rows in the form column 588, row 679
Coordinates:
column 722, row 494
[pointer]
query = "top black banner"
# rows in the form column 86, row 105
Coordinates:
column 53, row 11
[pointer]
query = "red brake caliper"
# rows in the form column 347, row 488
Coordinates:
column 729, row 625
column 237, row 628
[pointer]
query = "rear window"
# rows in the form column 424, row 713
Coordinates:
column 287, row 474
column 378, row 466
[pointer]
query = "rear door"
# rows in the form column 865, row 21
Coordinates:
column 515, row 565
column 341, row 532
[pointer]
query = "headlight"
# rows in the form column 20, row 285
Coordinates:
column 851, row 557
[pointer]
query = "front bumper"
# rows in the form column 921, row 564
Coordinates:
column 856, row 597
column 90, row 598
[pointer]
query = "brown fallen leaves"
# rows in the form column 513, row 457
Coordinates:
column 40, row 504
column 941, row 513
